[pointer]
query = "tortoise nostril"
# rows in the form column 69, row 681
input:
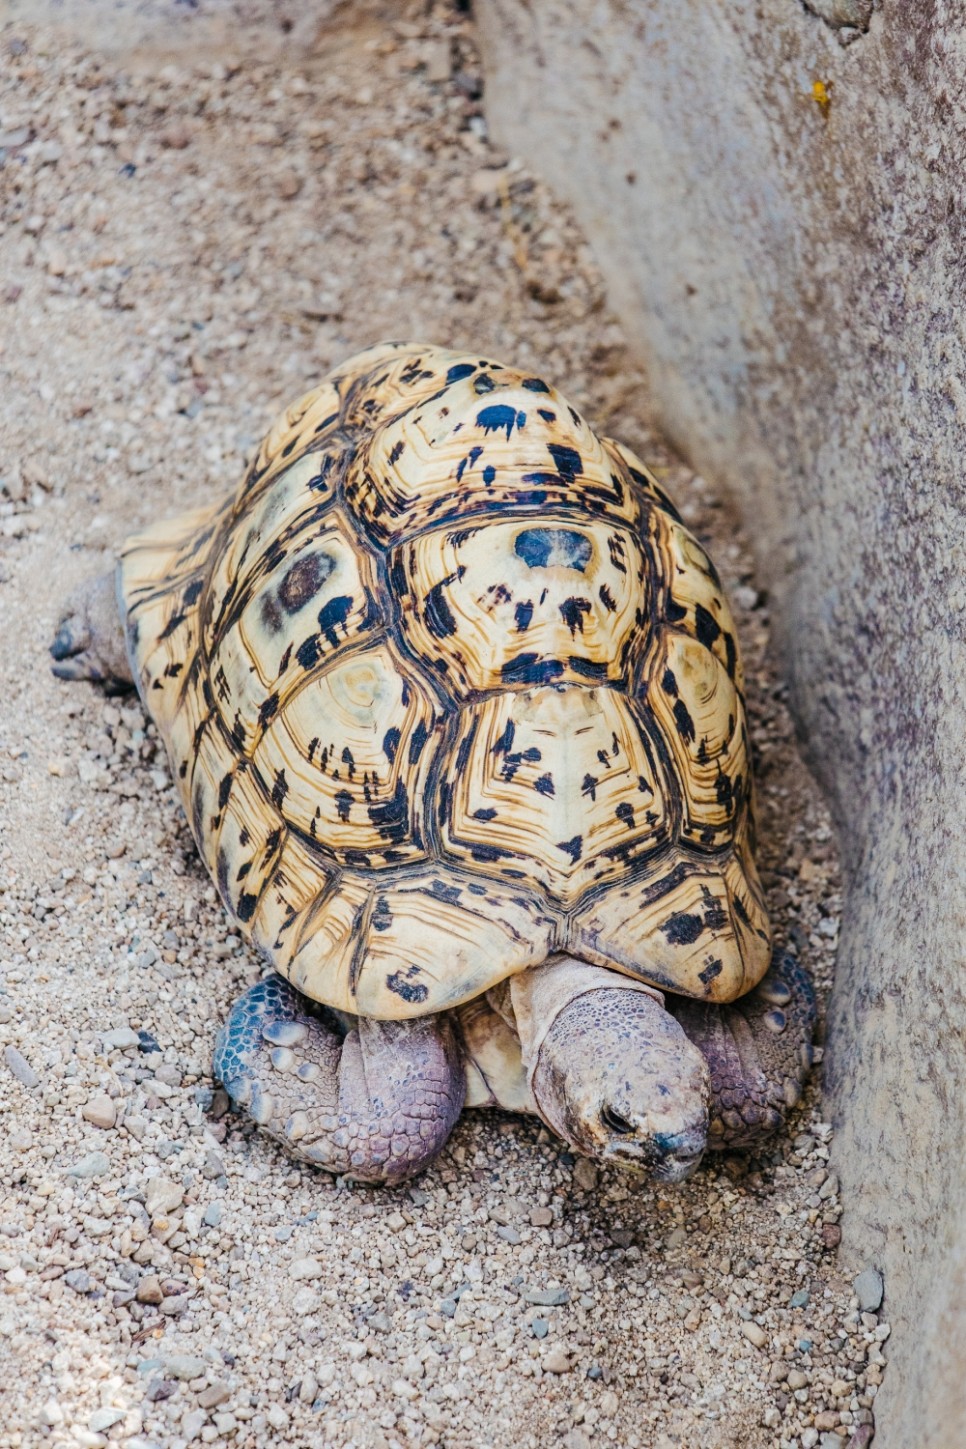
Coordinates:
column 614, row 1122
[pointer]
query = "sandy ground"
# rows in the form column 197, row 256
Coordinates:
column 200, row 213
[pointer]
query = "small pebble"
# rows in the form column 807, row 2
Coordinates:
column 184, row 1366
column 95, row 1164
column 557, row 1361
column 20, row 1067
column 540, row 1327
column 100, row 1111
column 869, row 1290
column 754, row 1334
column 305, row 1269
column 162, row 1196
column 103, row 1419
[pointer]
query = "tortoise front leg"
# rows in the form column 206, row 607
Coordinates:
column 759, row 1051
column 375, row 1100
column 90, row 637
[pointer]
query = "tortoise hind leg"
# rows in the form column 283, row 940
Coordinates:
column 759, row 1051
column 376, row 1101
column 90, row 637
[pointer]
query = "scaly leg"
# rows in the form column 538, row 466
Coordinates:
column 375, row 1099
column 759, row 1051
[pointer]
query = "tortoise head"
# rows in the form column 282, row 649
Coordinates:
column 617, row 1078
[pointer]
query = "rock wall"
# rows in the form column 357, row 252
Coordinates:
column 779, row 206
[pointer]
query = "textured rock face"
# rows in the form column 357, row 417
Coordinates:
column 782, row 220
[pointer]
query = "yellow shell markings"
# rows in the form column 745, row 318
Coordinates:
column 447, row 687
column 504, row 602
column 347, row 759
column 521, row 764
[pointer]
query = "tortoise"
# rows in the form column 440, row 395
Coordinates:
column 454, row 705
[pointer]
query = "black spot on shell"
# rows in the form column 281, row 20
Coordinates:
column 675, row 612
column 458, row 370
column 268, row 710
column 568, row 461
column 396, row 452
column 413, row 991
column 320, row 483
column 343, row 804
column 731, row 655
column 544, row 786
column 523, row 613
column 436, row 611
column 497, row 417
column 221, row 874
column 487, row 854
column 246, row 906
column 484, row 814
column 573, row 611
column 390, row 743
column 588, row 668
column 588, row 786
column 333, row 616
column 279, row 789
column 303, row 581
column 531, row 669
column 607, row 598
column 683, row 929
column 706, row 626
column 468, row 462
column 173, row 623
column 483, row 384
column 489, row 474
column 391, row 817
column 308, row 653
column 381, row 915
column 553, row 548
column 192, row 593
column 417, row 740
column 625, row 814
column 683, row 721
column 710, row 971
column 669, row 683
column 224, row 790
column 574, row 847
column 445, row 892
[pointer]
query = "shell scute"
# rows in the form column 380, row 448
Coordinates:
column 464, row 452
column 516, row 603
column 291, row 619
column 343, row 759
column 521, row 761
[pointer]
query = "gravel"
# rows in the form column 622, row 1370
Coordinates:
column 201, row 211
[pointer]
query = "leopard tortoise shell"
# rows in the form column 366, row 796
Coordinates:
column 448, row 687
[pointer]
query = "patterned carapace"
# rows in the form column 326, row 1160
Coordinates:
column 447, row 687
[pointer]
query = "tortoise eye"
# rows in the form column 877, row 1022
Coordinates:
column 615, row 1122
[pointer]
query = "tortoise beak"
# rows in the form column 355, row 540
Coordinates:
column 664, row 1157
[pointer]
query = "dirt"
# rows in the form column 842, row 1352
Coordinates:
column 201, row 210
